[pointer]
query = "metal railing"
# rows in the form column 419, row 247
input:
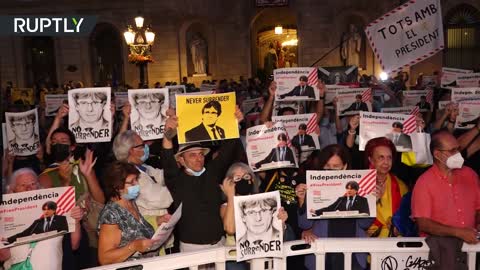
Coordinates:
column 386, row 253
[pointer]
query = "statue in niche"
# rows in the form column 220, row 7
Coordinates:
column 198, row 50
column 351, row 47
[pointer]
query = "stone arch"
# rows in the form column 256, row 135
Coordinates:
column 106, row 54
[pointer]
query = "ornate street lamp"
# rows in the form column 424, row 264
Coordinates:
column 140, row 40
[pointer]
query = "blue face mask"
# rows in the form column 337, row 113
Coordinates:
column 132, row 192
column 146, row 153
column 194, row 173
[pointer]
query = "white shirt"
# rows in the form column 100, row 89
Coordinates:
column 46, row 255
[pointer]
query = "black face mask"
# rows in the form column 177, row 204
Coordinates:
column 60, row 152
column 243, row 187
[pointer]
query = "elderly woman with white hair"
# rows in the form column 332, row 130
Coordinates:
column 154, row 197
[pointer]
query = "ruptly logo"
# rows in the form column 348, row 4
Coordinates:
column 75, row 25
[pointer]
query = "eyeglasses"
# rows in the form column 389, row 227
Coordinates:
column 25, row 124
column 142, row 145
column 145, row 103
column 258, row 212
column 93, row 103
column 246, row 177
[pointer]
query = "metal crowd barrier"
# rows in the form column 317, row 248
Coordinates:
column 386, row 253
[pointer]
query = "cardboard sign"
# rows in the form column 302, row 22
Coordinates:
column 258, row 237
column 89, row 115
column 296, row 83
column 407, row 35
column 206, row 117
column 22, row 132
column 329, row 197
column 148, row 115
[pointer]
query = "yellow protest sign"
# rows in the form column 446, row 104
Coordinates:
column 206, row 117
column 22, row 96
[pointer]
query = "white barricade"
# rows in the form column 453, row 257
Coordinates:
column 386, row 253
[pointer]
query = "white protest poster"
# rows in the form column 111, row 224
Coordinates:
column 22, row 132
column 269, row 148
column 395, row 127
column 208, row 88
column 341, row 194
column 120, row 99
column 408, row 34
column 149, row 107
column 24, row 218
column 251, row 109
column 259, row 231
column 53, row 103
column 460, row 94
column 173, row 91
column 163, row 232
column 423, row 99
column 402, row 110
column 303, row 132
column 443, row 104
column 429, row 81
column 449, row 75
column 330, row 94
column 469, row 113
column 468, row 80
column 354, row 100
column 297, row 106
column 296, row 83
column 89, row 115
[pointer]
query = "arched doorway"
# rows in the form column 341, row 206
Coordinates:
column 274, row 41
column 463, row 37
column 40, row 61
column 106, row 53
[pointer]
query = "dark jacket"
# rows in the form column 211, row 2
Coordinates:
column 307, row 92
column 307, row 140
column 200, row 133
column 353, row 108
column 359, row 203
column 59, row 223
column 274, row 156
column 445, row 253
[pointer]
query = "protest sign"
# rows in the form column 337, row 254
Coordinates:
column 259, row 231
column 413, row 110
column 408, row 34
column 251, row 109
column 269, row 148
column 4, row 137
column 197, row 112
column 460, row 94
column 22, row 132
column 303, row 132
column 449, row 75
column 89, row 115
column 341, row 194
column 120, row 99
column 469, row 113
column 330, row 94
column 24, row 220
column 443, row 104
column 395, row 127
column 429, row 81
column 173, row 91
column 468, row 80
column 53, row 103
column 353, row 100
column 22, row 96
column 297, row 106
column 296, row 83
column 163, row 232
column 339, row 74
column 149, row 107
column 208, row 88
column 414, row 98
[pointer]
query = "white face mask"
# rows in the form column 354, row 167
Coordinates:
column 455, row 161
column 194, row 173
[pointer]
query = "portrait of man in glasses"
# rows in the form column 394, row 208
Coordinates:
column 25, row 140
column 208, row 129
column 90, row 107
column 149, row 108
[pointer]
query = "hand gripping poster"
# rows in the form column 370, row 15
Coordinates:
column 148, row 115
column 354, row 100
column 206, row 117
column 296, row 83
column 468, row 80
column 22, row 132
column 89, row 115
column 270, row 148
column 461, row 94
column 469, row 114
column 259, row 231
column 53, row 104
column 423, row 99
column 173, row 91
column 449, row 75
column 303, row 132
column 396, row 127
column 38, row 214
column 341, row 194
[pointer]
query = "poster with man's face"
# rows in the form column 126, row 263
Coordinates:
column 173, row 91
column 296, row 83
column 469, row 114
column 353, row 100
column 206, row 117
column 148, row 115
column 22, row 96
column 423, row 99
column 259, row 231
column 22, row 132
column 89, row 115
